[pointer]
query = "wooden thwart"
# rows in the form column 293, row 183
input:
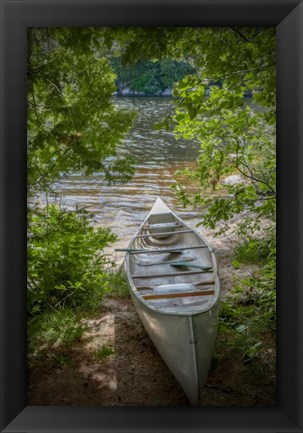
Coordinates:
column 179, row 295
column 165, row 233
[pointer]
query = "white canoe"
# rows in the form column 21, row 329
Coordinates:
column 174, row 285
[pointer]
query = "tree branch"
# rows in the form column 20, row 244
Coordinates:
column 251, row 175
column 55, row 86
column 258, row 69
column 67, row 296
column 43, row 175
column 239, row 33
column 254, row 180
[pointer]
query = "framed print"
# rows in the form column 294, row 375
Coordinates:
column 16, row 18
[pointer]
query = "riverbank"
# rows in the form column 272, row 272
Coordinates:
column 116, row 364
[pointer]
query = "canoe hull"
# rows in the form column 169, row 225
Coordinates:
column 185, row 343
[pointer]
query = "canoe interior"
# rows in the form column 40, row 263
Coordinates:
column 172, row 268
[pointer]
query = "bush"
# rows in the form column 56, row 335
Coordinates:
column 66, row 266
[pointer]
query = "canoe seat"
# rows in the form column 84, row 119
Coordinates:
column 174, row 288
column 181, row 290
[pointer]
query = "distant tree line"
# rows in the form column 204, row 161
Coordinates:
column 149, row 77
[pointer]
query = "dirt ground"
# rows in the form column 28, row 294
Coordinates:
column 135, row 374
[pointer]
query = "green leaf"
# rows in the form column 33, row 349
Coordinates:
column 241, row 328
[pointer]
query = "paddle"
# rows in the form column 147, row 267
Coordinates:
column 163, row 262
column 204, row 268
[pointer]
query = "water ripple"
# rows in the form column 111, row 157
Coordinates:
column 157, row 154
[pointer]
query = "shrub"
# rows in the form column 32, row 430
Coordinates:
column 66, row 265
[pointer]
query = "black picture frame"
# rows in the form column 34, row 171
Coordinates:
column 16, row 16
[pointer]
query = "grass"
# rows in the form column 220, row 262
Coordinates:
column 118, row 286
column 103, row 352
column 247, row 323
column 60, row 359
column 249, row 346
column 61, row 328
column 53, row 329
column 255, row 251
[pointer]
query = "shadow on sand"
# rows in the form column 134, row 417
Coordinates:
column 134, row 375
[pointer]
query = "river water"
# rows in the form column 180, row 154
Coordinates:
column 157, row 156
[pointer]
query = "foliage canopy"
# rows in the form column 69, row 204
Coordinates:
column 72, row 123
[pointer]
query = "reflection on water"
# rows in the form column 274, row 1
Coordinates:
column 157, row 154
